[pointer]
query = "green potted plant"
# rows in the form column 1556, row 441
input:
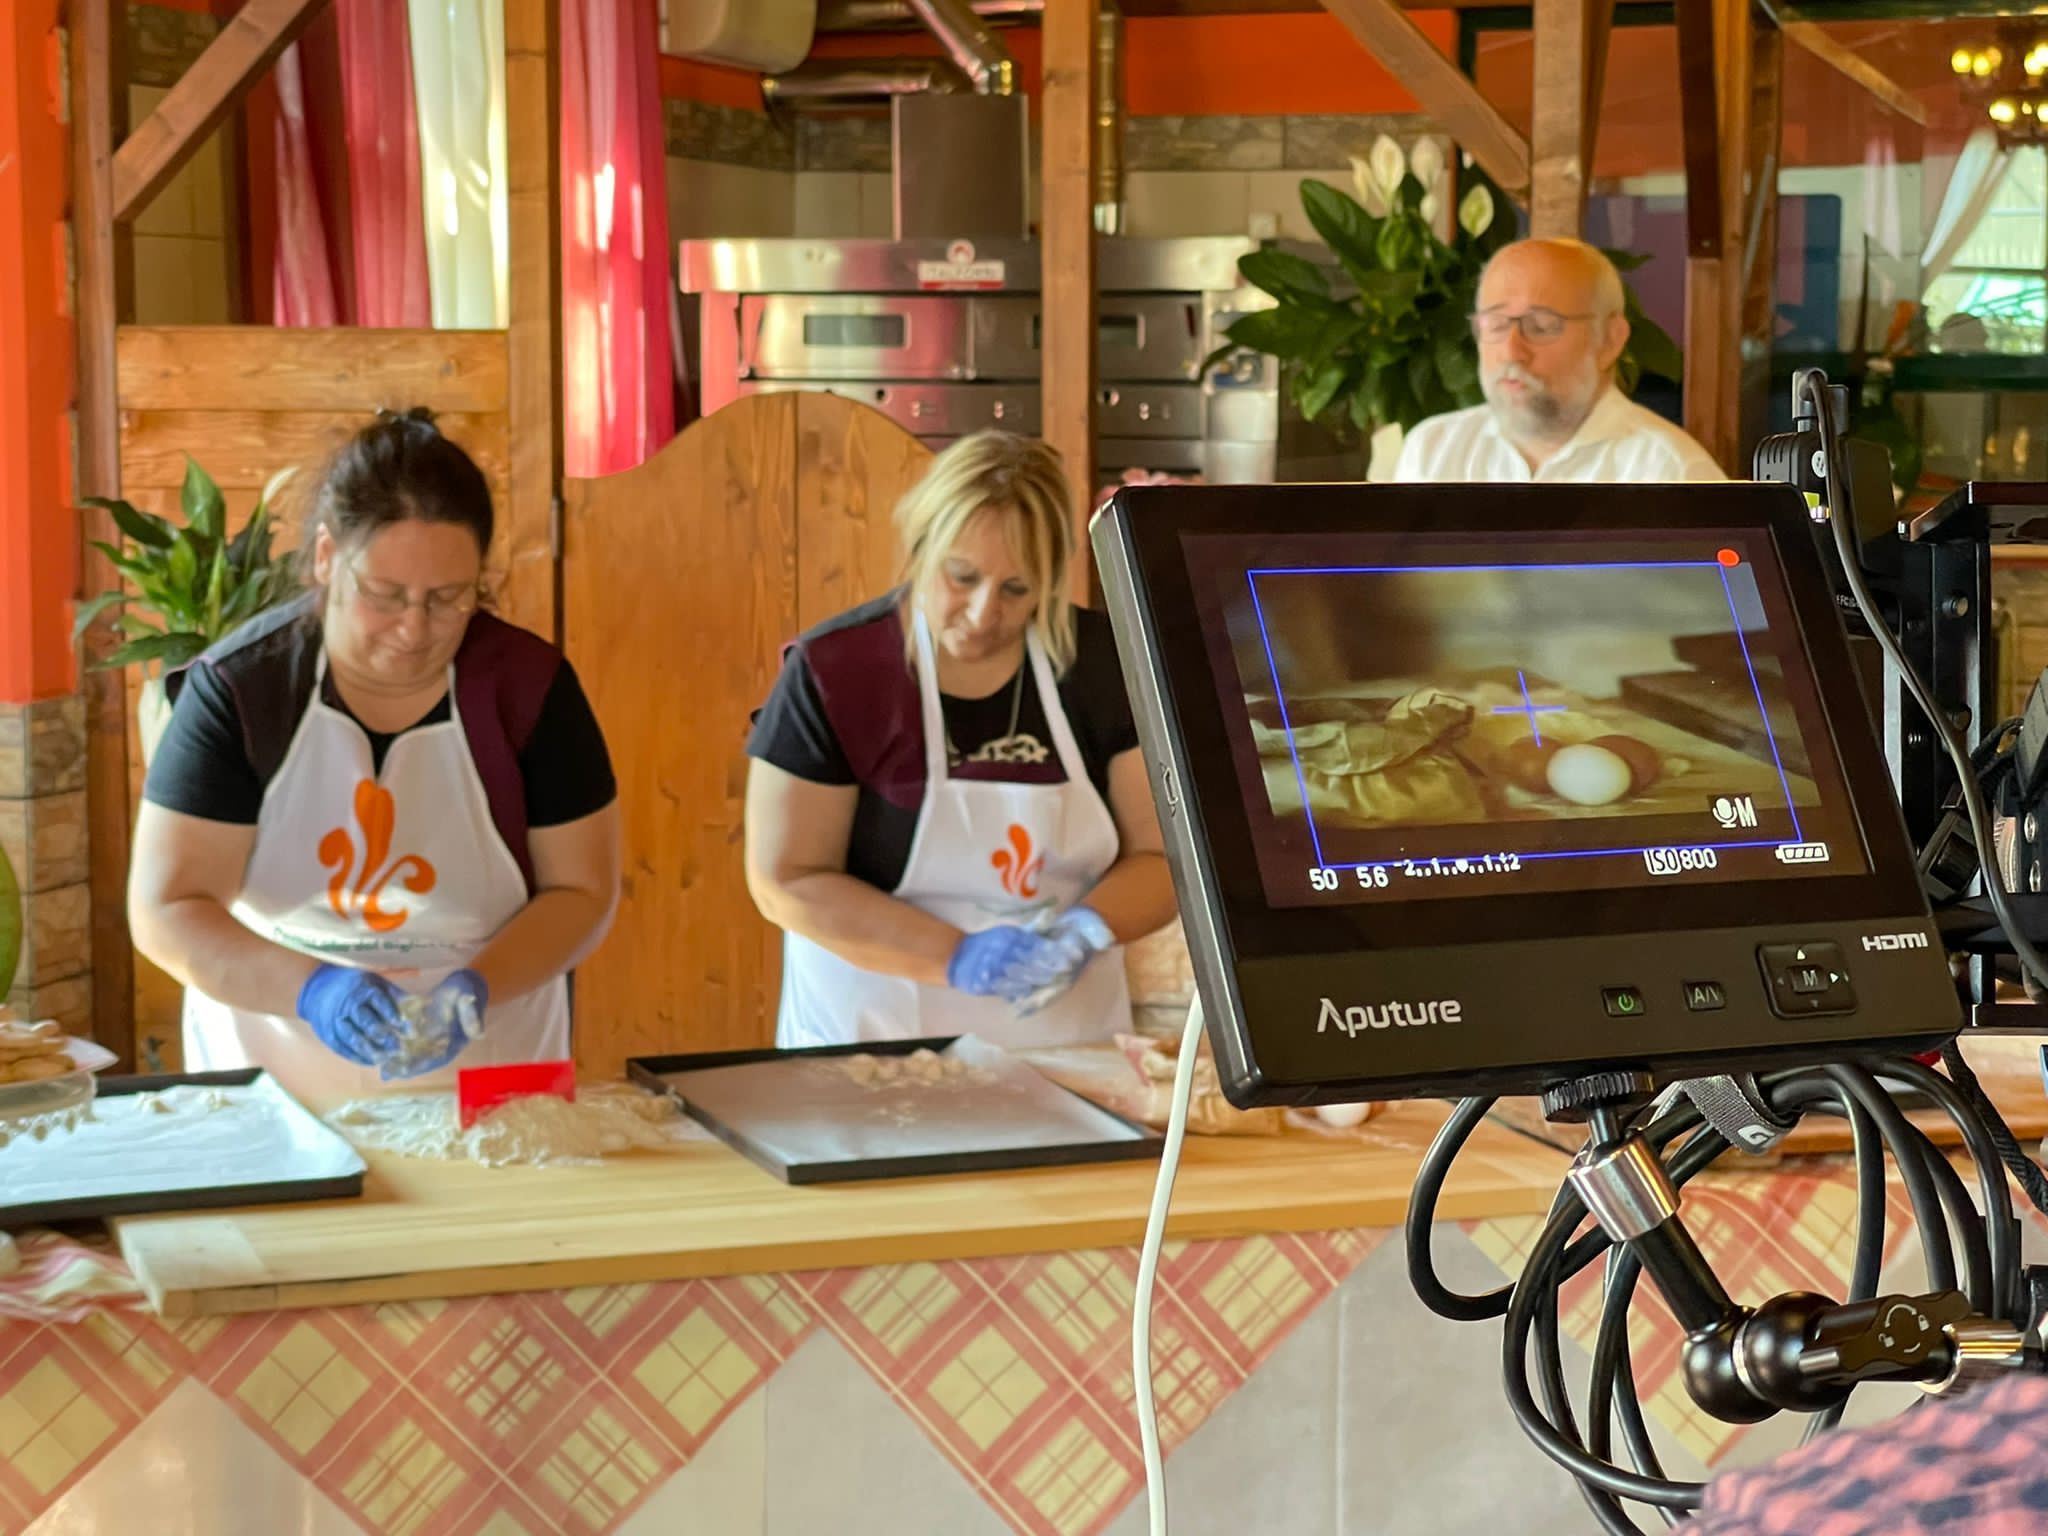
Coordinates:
column 1390, row 343
column 187, row 586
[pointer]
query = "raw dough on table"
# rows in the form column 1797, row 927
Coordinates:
column 923, row 1065
column 537, row 1130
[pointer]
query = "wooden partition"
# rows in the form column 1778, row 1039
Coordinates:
column 682, row 582
column 249, row 401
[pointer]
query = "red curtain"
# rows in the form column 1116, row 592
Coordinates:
column 382, row 131
column 618, row 377
column 302, row 290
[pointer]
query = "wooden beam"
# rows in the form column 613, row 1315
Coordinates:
column 1067, row 229
column 533, row 169
column 244, row 48
column 1700, row 127
column 99, row 102
column 1811, row 36
column 1571, row 51
column 1443, row 90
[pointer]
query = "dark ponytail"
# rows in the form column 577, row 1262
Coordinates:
column 398, row 468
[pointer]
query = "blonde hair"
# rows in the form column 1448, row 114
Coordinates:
column 1021, row 480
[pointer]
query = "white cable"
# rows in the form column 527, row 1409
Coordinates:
column 1148, row 1268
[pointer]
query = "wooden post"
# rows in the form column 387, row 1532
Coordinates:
column 1570, row 69
column 1715, row 67
column 533, row 159
column 99, row 112
column 1067, row 244
column 1757, row 323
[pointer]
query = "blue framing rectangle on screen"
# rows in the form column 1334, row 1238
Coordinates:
column 1280, row 694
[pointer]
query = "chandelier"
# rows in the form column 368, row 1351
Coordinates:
column 2009, row 79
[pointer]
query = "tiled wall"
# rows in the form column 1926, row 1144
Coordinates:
column 181, row 238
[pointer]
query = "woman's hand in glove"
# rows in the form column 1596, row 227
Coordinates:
column 1075, row 937
column 353, row 1013
column 455, row 1015
column 1005, row 961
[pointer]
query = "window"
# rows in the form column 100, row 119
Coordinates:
column 1995, row 297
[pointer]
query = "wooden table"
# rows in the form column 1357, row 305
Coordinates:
column 425, row 1229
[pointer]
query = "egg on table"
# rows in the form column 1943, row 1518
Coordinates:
column 1586, row 774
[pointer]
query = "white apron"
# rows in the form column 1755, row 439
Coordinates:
column 984, row 853
column 403, row 870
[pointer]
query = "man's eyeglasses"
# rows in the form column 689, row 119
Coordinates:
column 1537, row 325
column 444, row 605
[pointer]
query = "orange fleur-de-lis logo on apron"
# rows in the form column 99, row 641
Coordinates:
column 355, row 888
column 1018, row 865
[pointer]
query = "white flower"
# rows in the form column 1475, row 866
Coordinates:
column 1426, row 160
column 1366, row 189
column 1475, row 211
column 1389, row 165
column 1429, row 208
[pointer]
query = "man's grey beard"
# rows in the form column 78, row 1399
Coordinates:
column 1541, row 413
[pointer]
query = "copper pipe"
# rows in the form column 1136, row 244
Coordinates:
column 1109, row 119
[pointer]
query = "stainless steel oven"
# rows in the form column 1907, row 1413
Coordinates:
column 944, row 337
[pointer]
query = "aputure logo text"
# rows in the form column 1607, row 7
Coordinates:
column 1363, row 1016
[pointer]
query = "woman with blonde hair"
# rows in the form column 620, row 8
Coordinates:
column 947, row 814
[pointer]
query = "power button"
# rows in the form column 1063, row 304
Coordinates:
column 1169, row 790
column 1622, row 1002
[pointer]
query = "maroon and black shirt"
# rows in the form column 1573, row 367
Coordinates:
column 531, row 732
column 1968, row 1466
column 845, row 711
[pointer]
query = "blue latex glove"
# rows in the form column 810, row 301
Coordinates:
column 444, row 1018
column 1074, row 938
column 1000, row 962
column 353, row 1013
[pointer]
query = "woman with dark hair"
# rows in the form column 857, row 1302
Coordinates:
column 381, row 825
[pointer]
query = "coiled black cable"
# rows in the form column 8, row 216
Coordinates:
column 1956, row 1241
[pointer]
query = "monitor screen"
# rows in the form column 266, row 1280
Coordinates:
column 1416, row 716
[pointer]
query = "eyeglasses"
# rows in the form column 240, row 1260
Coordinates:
column 1537, row 325
column 444, row 605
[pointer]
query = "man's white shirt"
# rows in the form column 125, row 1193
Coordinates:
column 1619, row 442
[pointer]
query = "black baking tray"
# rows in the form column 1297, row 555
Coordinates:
column 273, row 1191
column 1115, row 1139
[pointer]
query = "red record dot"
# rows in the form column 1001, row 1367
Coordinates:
column 1729, row 557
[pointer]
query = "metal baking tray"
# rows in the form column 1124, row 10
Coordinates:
column 805, row 1118
column 264, row 1150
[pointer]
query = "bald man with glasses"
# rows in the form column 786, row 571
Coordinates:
column 1550, row 329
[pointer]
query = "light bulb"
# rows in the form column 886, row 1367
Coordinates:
column 1959, row 61
column 2003, row 111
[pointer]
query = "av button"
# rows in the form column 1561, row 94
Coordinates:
column 1705, row 996
column 1622, row 1002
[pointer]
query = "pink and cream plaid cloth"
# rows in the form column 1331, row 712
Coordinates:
column 1972, row 1466
column 64, row 1279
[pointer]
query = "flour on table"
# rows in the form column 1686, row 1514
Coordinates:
column 538, row 1130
